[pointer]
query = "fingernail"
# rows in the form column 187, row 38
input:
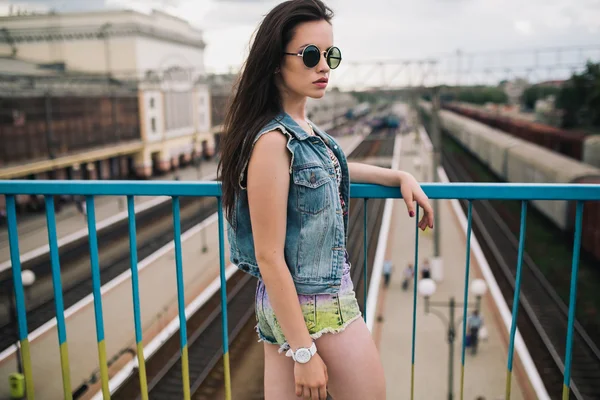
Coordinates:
column 411, row 213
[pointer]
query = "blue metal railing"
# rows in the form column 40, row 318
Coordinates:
column 468, row 191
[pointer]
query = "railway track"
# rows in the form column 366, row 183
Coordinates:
column 542, row 318
column 154, row 231
column 205, row 340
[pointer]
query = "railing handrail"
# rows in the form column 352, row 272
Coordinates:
column 470, row 191
column 177, row 189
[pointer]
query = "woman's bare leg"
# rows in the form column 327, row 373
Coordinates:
column 279, row 375
column 353, row 366
column 353, row 363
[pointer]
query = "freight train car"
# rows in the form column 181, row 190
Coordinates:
column 578, row 145
column 516, row 160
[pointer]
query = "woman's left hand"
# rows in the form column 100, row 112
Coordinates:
column 411, row 192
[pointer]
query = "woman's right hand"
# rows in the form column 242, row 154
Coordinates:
column 311, row 379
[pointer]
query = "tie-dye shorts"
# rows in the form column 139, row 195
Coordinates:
column 323, row 313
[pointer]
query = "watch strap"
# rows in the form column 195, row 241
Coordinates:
column 312, row 349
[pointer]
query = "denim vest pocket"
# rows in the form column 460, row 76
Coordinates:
column 312, row 191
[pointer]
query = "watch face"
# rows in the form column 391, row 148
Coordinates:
column 302, row 355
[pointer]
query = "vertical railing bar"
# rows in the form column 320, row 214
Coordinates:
column 185, row 371
column 93, row 243
column 15, row 259
column 365, row 262
column 226, row 369
column 515, row 308
column 414, row 325
column 136, row 297
column 466, row 298
column 58, row 297
column 572, row 298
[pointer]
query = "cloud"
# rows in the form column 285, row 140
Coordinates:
column 58, row 5
column 524, row 27
column 403, row 29
column 244, row 1
column 87, row 5
column 233, row 13
column 388, row 29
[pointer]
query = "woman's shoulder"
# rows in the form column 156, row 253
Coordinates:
column 273, row 125
column 271, row 139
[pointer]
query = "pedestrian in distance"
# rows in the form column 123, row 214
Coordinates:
column 387, row 272
column 285, row 187
column 408, row 275
column 474, row 323
column 81, row 205
column 426, row 270
column 3, row 217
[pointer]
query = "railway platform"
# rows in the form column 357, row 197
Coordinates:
column 484, row 372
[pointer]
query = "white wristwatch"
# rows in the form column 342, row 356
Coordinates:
column 302, row 355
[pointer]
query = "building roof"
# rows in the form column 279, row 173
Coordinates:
column 84, row 25
column 25, row 78
column 16, row 66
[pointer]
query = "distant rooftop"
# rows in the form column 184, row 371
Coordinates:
column 86, row 24
column 25, row 78
column 16, row 66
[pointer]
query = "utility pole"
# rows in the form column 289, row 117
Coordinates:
column 451, row 337
column 436, row 142
column 49, row 133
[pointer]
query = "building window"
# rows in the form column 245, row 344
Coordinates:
column 179, row 111
column 151, row 102
column 201, row 101
column 153, row 124
column 201, row 119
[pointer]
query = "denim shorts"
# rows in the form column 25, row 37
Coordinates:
column 323, row 313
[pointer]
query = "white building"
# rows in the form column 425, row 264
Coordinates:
column 514, row 90
column 165, row 53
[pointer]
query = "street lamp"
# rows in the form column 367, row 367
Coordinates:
column 478, row 288
column 427, row 288
column 28, row 279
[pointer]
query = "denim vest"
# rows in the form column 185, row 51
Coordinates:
column 316, row 228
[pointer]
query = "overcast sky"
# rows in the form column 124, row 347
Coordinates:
column 384, row 29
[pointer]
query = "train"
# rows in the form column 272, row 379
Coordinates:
column 389, row 121
column 516, row 160
column 360, row 110
column 579, row 145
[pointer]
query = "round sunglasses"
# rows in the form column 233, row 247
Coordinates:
column 311, row 55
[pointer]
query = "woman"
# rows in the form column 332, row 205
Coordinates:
column 286, row 194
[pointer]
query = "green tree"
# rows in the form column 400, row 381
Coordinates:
column 481, row 95
column 535, row 93
column 579, row 99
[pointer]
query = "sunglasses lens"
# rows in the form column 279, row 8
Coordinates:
column 311, row 56
column 334, row 57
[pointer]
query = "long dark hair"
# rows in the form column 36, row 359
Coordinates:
column 256, row 98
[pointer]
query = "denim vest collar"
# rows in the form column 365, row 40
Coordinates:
column 296, row 130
